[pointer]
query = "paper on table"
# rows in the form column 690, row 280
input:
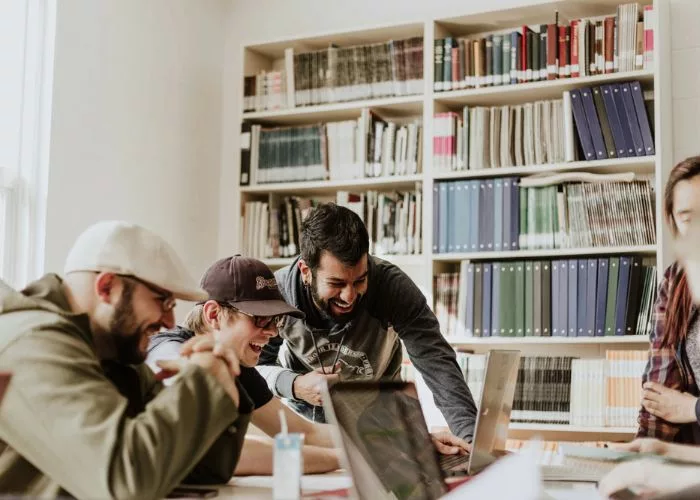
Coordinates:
column 524, row 480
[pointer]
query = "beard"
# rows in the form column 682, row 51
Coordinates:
column 324, row 306
column 125, row 333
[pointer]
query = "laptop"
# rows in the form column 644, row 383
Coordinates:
column 387, row 448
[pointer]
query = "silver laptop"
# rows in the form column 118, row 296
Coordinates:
column 386, row 445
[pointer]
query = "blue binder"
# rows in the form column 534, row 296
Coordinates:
column 601, row 152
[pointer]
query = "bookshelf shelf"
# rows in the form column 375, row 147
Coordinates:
column 404, row 260
column 399, row 260
column 570, row 432
column 572, row 428
column 391, row 107
column 638, row 165
column 526, row 92
column 278, row 262
column 615, row 340
column 394, row 182
column 557, row 252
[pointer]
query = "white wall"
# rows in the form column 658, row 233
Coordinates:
column 136, row 129
column 685, row 64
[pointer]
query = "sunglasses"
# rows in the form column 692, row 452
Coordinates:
column 166, row 299
column 264, row 322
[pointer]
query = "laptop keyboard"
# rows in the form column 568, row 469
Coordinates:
column 448, row 462
column 569, row 473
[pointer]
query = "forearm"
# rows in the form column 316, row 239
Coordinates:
column 279, row 380
column 683, row 452
column 257, row 458
column 320, row 435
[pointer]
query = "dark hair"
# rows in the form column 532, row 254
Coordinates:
column 335, row 229
column 677, row 320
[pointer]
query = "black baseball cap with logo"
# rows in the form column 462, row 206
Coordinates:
column 248, row 285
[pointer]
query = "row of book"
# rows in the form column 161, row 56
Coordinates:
column 507, row 213
column 564, row 390
column 561, row 298
column 337, row 74
column 264, row 91
column 393, row 221
column 272, row 230
column 612, row 121
column 351, row 149
column 589, row 46
column 501, row 136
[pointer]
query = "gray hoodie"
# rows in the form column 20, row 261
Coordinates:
column 393, row 309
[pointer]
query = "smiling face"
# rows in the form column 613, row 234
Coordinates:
column 138, row 312
column 239, row 331
column 337, row 288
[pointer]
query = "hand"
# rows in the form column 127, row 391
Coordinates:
column 636, row 475
column 642, row 445
column 669, row 404
column 648, row 478
column 307, row 387
column 207, row 342
column 214, row 365
column 449, row 444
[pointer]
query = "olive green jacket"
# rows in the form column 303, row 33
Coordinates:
column 67, row 429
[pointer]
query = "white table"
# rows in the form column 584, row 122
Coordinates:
column 260, row 487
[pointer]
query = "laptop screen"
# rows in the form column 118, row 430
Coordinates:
column 386, row 440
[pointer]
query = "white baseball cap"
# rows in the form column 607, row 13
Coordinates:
column 124, row 248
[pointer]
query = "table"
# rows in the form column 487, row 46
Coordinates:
column 260, row 487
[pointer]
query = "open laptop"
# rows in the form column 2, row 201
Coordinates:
column 387, row 447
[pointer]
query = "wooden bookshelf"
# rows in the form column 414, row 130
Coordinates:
column 397, row 182
column 533, row 91
column 266, row 54
column 558, row 432
column 642, row 165
column 496, row 341
column 410, row 105
column 399, row 260
column 553, row 253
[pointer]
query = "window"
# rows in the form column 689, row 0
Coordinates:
column 27, row 30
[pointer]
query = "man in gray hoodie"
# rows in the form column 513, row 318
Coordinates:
column 358, row 308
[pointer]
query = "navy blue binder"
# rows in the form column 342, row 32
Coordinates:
column 573, row 295
column 624, row 120
column 614, row 121
column 642, row 118
column 601, row 152
column 632, row 118
column 622, row 294
column 582, row 298
column 601, row 297
column 584, row 133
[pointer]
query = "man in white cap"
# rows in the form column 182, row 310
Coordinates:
column 84, row 415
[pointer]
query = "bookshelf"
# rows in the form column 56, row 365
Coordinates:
column 424, row 264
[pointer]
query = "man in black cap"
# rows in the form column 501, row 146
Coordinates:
column 244, row 309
